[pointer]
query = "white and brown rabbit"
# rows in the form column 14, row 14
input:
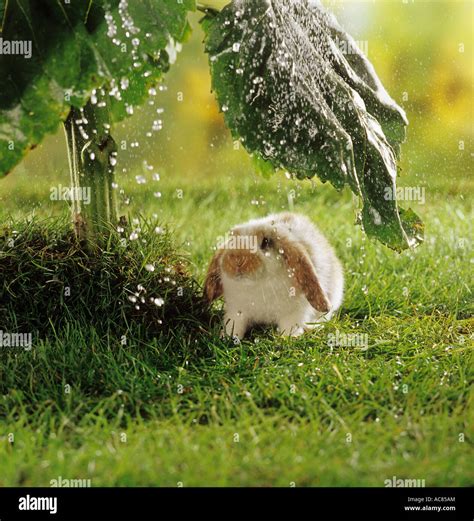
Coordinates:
column 278, row 270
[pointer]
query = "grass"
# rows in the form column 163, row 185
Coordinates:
column 123, row 286
column 186, row 407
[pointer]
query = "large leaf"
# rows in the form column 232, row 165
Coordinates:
column 298, row 100
column 76, row 47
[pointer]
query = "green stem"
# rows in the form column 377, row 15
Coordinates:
column 92, row 154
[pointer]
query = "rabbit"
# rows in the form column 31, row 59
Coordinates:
column 278, row 270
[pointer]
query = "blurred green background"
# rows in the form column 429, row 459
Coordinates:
column 422, row 52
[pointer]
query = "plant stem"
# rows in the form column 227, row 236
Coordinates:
column 92, row 154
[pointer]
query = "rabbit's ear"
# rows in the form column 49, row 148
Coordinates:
column 300, row 266
column 213, row 283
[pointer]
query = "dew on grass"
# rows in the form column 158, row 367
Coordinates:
column 111, row 25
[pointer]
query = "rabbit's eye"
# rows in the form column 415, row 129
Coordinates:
column 266, row 243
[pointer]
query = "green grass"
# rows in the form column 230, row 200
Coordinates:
column 116, row 288
column 185, row 406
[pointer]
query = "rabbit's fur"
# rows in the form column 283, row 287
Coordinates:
column 278, row 270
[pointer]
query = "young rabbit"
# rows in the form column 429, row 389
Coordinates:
column 277, row 270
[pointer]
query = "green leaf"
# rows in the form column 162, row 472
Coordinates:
column 75, row 50
column 296, row 90
column 265, row 168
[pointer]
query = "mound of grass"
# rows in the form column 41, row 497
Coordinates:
column 139, row 285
